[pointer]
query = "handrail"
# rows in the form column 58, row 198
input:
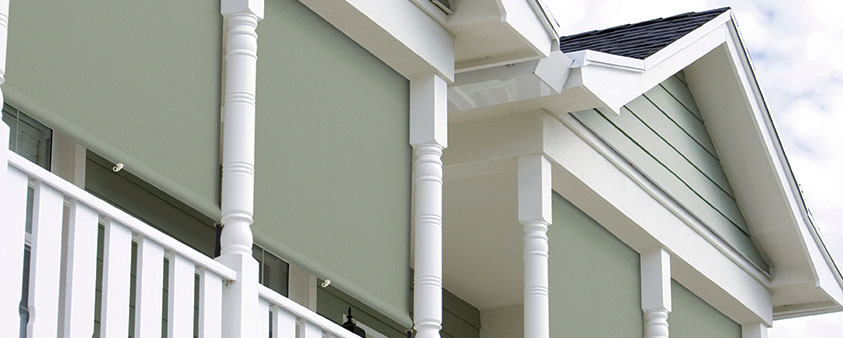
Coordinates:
column 299, row 311
column 120, row 216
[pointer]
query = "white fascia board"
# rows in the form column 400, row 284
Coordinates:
column 397, row 32
column 620, row 198
column 824, row 268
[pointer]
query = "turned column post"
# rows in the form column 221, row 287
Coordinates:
column 428, row 136
column 240, row 298
column 655, row 292
column 535, row 214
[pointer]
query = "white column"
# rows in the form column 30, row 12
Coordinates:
column 240, row 299
column 655, row 292
column 535, row 214
column 428, row 136
column 754, row 330
column 12, row 273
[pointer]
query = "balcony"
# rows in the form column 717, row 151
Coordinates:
column 57, row 237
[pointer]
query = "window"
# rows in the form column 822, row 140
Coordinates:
column 274, row 272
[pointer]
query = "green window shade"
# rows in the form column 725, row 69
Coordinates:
column 692, row 317
column 137, row 82
column 333, row 163
column 592, row 276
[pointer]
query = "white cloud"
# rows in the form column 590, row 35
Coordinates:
column 796, row 48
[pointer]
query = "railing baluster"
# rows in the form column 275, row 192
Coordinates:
column 13, row 209
column 45, row 261
column 283, row 323
column 263, row 319
column 80, row 280
column 210, row 305
column 116, row 278
column 150, row 288
column 180, row 294
column 309, row 330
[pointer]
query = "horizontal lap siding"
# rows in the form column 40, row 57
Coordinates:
column 663, row 135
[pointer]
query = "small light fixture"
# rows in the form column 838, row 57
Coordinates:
column 350, row 326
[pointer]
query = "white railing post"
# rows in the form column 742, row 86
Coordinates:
column 655, row 292
column 535, row 214
column 428, row 136
column 240, row 298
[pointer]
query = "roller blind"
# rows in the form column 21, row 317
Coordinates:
column 332, row 160
column 135, row 81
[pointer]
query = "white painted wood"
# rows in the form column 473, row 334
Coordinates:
column 429, row 136
column 45, row 261
column 116, row 273
column 180, row 297
column 263, row 318
column 210, row 305
column 429, row 110
column 302, row 313
column 535, row 214
column 138, row 227
column 754, row 330
column 79, row 290
column 150, row 288
column 309, row 330
column 4, row 30
column 655, row 325
column 13, row 208
column 655, row 291
column 655, row 279
column 240, row 298
column 283, row 323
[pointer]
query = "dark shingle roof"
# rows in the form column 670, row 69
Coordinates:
column 639, row 40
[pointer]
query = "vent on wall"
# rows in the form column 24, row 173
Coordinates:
column 444, row 5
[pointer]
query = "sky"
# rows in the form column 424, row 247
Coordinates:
column 796, row 48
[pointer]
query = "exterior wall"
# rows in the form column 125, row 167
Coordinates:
column 593, row 276
column 135, row 82
column 333, row 160
column 459, row 318
column 694, row 318
column 503, row 322
column 662, row 133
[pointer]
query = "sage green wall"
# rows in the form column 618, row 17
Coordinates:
column 594, row 277
column 333, row 160
column 136, row 81
column 692, row 317
column 662, row 133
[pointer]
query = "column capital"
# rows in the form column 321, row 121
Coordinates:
column 254, row 7
column 655, row 279
column 429, row 110
column 534, row 189
column 754, row 330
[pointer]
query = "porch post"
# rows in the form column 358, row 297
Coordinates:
column 754, row 330
column 4, row 129
column 535, row 214
column 428, row 136
column 12, row 247
column 240, row 298
column 655, row 292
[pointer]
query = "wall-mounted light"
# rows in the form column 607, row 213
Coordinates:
column 351, row 326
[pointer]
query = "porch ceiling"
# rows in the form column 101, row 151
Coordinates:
column 482, row 236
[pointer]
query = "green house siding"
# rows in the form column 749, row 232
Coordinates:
column 593, row 276
column 137, row 82
column 663, row 135
column 333, row 160
column 694, row 318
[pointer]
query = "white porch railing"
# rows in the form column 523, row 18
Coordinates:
column 285, row 318
column 63, row 271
